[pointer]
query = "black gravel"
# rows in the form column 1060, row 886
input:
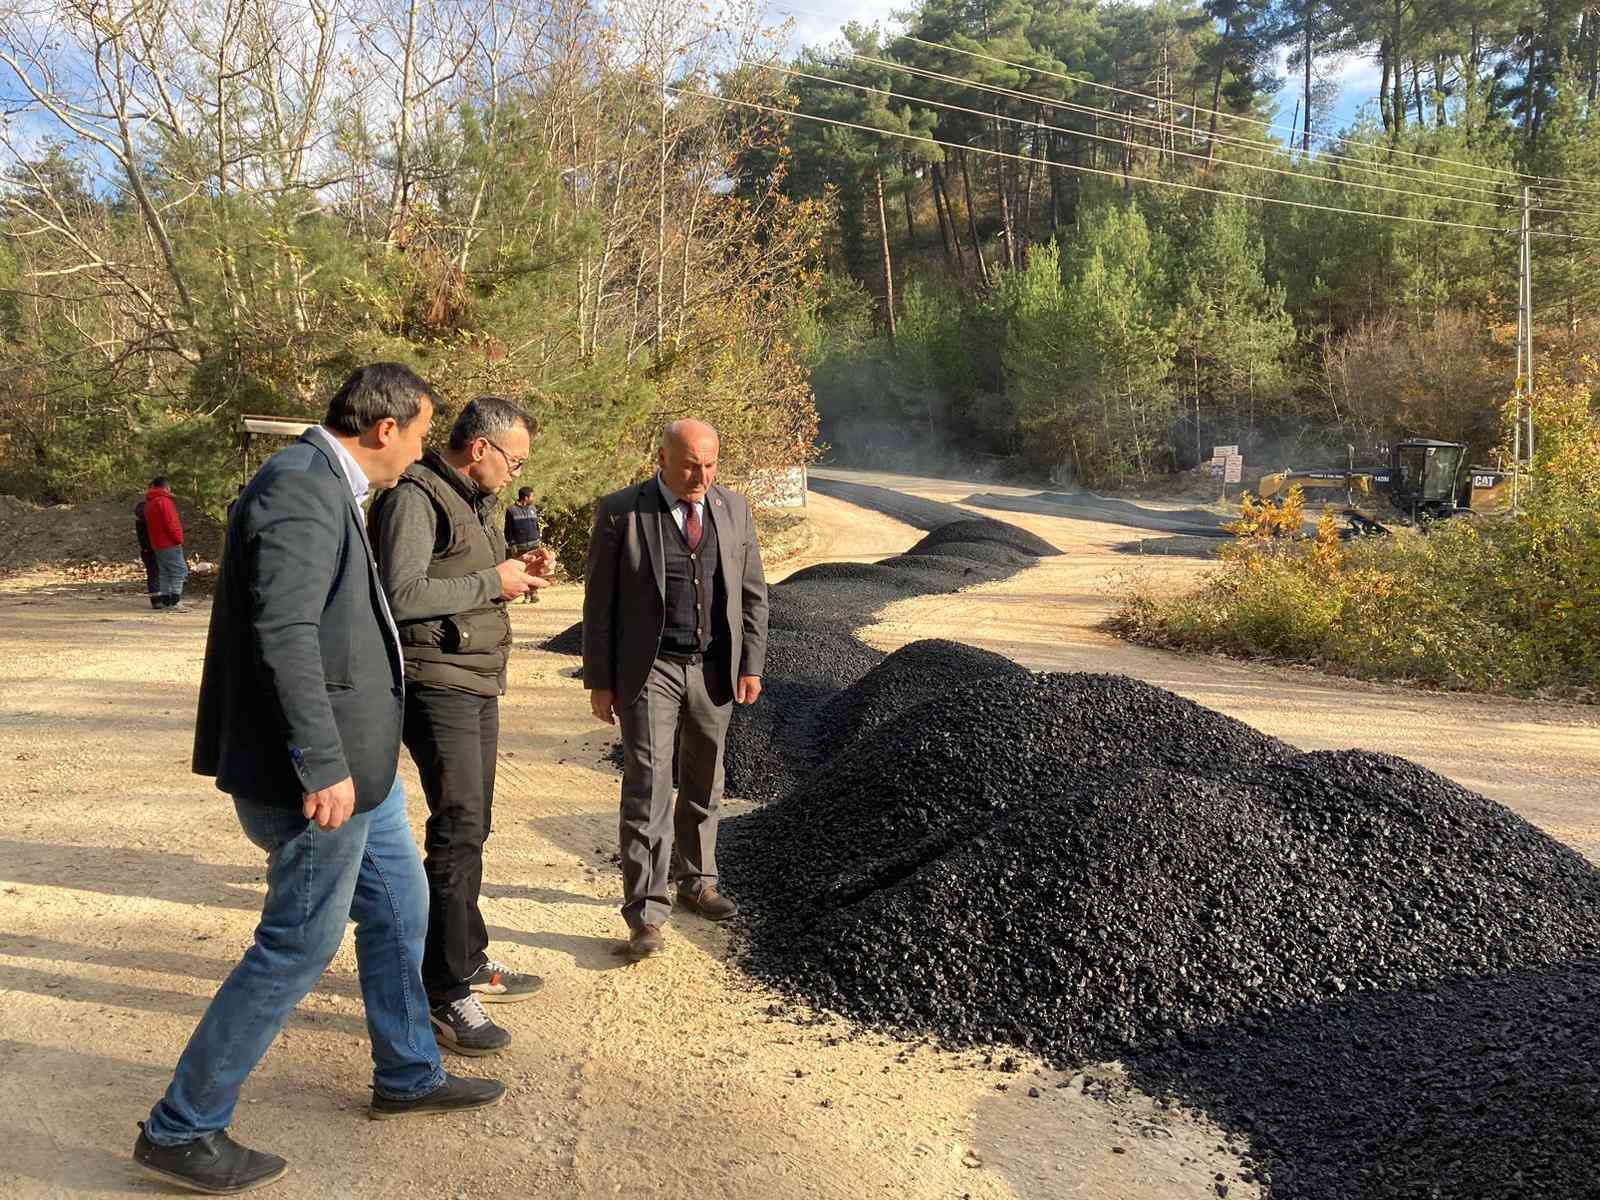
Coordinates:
column 912, row 510
column 909, row 677
column 1179, row 545
column 1324, row 951
column 1085, row 506
column 772, row 743
column 568, row 641
column 813, row 653
column 1485, row 1087
column 1380, row 984
column 984, row 530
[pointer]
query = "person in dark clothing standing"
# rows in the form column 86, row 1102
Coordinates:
column 166, row 539
column 147, row 555
column 522, row 531
column 522, row 524
column 299, row 721
column 442, row 558
column 674, row 632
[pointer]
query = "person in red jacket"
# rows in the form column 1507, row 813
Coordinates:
column 166, row 539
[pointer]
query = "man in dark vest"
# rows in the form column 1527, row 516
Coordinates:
column 442, row 557
column 299, row 721
column 522, row 531
column 674, row 631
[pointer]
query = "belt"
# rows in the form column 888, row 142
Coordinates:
column 684, row 660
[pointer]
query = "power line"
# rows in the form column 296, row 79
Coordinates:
column 1171, row 183
column 1284, row 171
column 1349, row 162
column 1037, row 70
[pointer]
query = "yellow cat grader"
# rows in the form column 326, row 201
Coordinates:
column 1425, row 480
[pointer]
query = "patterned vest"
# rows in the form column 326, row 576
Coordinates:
column 695, row 588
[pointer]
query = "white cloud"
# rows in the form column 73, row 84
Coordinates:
column 818, row 22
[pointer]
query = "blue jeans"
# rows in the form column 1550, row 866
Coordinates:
column 172, row 569
column 367, row 870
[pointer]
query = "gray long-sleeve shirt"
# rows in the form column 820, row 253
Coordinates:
column 405, row 544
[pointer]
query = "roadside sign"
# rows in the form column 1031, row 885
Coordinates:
column 1222, row 454
column 1233, row 468
column 782, row 487
column 1216, row 468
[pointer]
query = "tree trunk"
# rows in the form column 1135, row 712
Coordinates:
column 1216, row 93
column 1396, row 37
column 1416, row 93
column 1535, row 82
column 939, row 215
column 972, row 220
column 1027, row 195
column 1006, row 230
column 1592, row 18
column 1307, row 50
column 942, row 186
column 1055, row 199
column 905, row 195
column 888, row 265
column 1383, row 89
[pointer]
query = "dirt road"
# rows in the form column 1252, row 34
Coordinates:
column 127, row 892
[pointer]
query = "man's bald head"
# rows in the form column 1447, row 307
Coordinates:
column 689, row 450
column 688, row 431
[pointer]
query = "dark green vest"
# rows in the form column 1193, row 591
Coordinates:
column 466, row 650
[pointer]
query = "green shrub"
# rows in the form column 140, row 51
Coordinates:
column 1510, row 605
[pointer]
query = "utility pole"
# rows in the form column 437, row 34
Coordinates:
column 1522, row 431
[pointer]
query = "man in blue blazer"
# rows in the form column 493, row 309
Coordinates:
column 301, row 699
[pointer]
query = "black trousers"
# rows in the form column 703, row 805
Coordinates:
column 152, row 576
column 452, row 736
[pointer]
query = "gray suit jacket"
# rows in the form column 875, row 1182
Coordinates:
column 624, row 596
column 302, row 684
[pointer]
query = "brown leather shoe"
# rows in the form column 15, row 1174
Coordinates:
column 709, row 903
column 646, row 942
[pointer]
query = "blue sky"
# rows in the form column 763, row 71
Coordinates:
column 1358, row 76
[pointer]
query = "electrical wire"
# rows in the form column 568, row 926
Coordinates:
column 1079, row 133
column 1143, row 179
column 1038, row 70
column 1349, row 162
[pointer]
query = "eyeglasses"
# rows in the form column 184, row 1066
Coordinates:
column 516, row 464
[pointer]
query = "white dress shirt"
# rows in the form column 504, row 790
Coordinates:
column 675, row 506
column 360, row 488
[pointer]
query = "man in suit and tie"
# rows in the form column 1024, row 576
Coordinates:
column 299, row 721
column 674, row 632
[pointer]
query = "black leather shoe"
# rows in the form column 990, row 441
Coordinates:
column 455, row 1094
column 709, row 903
column 214, row 1164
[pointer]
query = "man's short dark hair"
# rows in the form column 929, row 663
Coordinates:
column 374, row 392
column 159, row 481
column 488, row 417
column 524, row 493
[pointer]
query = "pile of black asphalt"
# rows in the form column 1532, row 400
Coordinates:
column 812, row 650
column 1178, row 545
column 1086, row 506
column 915, row 511
column 813, row 653
column 1378, row 983
column 1381, row 979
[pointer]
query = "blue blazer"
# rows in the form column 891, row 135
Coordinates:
column 303, row 683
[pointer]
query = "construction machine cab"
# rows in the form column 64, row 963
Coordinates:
column 1423, row 484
